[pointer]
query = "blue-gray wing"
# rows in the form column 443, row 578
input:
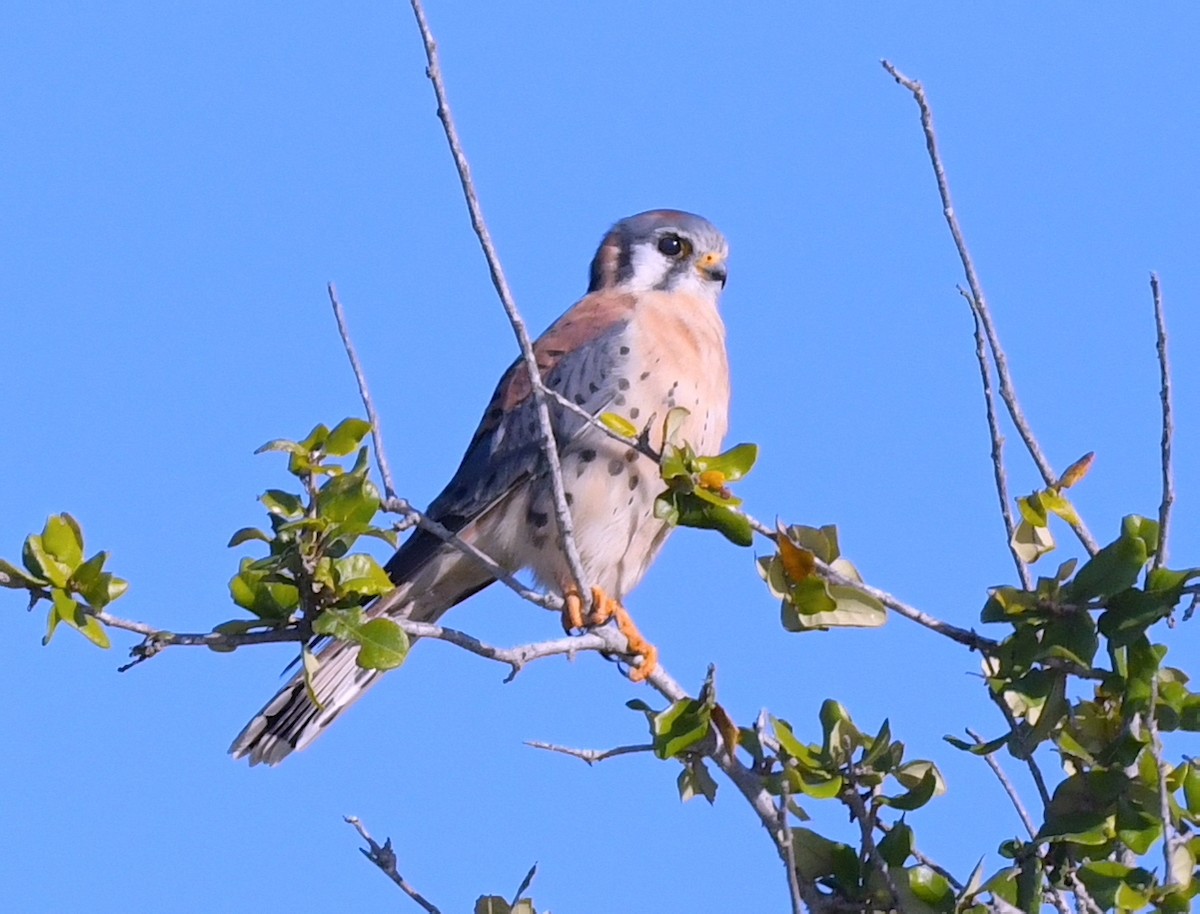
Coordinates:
column 577, row 357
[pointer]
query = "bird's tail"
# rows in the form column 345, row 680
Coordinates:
column 291, row 720
column 435, row 576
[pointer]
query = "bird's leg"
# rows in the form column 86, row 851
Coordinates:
column 604, row 608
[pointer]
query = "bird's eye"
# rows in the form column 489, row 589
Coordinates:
column 670, row 245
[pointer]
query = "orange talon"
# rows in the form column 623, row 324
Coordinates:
column 572, row 614
column 604, row 608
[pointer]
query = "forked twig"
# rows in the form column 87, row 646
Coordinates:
column 1008, row 392
column 384, row 857
column 591, row 756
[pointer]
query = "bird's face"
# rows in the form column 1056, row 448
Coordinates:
column 662, row 250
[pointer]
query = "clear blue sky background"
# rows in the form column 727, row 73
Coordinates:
column 178, row 182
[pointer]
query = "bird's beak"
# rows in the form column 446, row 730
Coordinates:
column 712, row 266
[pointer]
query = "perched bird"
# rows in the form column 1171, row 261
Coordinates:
column 646, row 338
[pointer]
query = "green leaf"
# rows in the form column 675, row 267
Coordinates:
column 245, row 535
column 360, row 574
column 342, row 624
column 1031, row 542
column 346, row 437
column 921, row 792
column 694, row 511
column 67, row 610
column 61, row 538
column 1131, row 612
column 348, row 499
column 841, row 737
column 695, row 781
column 896, row 846
column 977, row 748
column 1070, row 637
column 673, row 423
column 281, row 444
column 1058, row 503
column 819, row 858
column 18, row 579
column 733, row 464
column 316, row 438
column 283, row 504
column 619, row 424
column 680, row 727
column 1083, row 808
column 383, row 645
column 43, row 565
column 922, row 890
column 1117, row 565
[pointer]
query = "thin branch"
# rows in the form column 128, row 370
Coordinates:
column 1009, row 789
column 1008, row 392
column 989, row 399
column 389, row 487
column 607, row 641
column 591, row 756
column 789, row 848
column 866, row 826
column 1168, row 425
column 384, row 857
column 562, row 511
column 1170, row 837
column 1059, row 902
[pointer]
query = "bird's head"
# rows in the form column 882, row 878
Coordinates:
column 665, row 250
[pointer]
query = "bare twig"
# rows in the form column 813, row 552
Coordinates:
column 989, row 399
column 591, row 756
column 562, row 511
column 1168, row 424
column 1009, row 789
column 384, row 857
column 1170, row 836
column 1007, row 391
column 385, row 472
column 789, row 848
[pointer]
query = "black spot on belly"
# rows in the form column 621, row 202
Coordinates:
column 539, row 540
column 619, row 400
column 593, row 387
column 580, row 399
column 569, row 497
column 616, row 467
column 623, row 383
column 633, row 483
column 587, row 455
column 631, row 455
column 538, row 518
column 624, row 350
column 633, row 412
column 645, row 374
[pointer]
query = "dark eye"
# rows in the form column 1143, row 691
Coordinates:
column 670, row 245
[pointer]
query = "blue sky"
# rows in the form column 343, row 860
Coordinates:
column 178, row 182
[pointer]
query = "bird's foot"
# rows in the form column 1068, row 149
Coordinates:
column 604, row 608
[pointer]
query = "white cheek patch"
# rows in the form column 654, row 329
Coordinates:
column 648, row 268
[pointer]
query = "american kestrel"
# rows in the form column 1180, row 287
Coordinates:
column 645, row 339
